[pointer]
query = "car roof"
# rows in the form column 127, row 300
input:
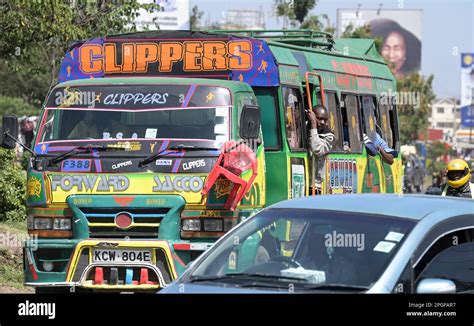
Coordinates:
column 414, row 207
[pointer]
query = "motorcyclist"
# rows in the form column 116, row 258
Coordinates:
column 459, row 176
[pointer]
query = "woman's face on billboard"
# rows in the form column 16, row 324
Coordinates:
column 394, row 51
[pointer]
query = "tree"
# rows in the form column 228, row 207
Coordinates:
column 301, row 8
column 36, row 34
column 17, row 106
column 362, row 32
column 293, row 12
column 12, row 188
column 413, row 117
column 195, row 18
column 434, row 151
column 312, row 22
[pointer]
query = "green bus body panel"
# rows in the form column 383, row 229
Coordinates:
column 354, row 61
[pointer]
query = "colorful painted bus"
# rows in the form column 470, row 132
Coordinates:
column 137, row 122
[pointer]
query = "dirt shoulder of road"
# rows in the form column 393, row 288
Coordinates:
column 11, row 258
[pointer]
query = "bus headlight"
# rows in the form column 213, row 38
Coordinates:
column 62, row 224
column 43, row 223
column 213, row 225
column 191, row 224
column 48, row 223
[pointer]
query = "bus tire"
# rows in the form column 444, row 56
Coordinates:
column 51, row 290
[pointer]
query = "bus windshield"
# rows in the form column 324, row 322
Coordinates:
column 137, row 112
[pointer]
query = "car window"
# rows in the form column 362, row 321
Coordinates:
column 310, row 246
column 455, row 264
column 450, row 257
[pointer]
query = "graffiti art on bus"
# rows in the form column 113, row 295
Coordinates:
column 342, row 176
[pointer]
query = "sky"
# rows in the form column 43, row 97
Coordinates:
column 447, row 30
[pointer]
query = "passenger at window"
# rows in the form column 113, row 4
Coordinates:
column 380, row 146
column 321, row 139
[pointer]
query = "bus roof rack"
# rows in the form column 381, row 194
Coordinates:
column 301, row 37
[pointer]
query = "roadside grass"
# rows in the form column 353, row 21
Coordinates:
column 11, row 257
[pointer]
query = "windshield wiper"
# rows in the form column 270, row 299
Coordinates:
column 179, row 147
column 334, row 286
column 80, row 149
column 257, row 278
column 245, row 276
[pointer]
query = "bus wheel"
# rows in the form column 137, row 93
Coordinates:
column 51, row 290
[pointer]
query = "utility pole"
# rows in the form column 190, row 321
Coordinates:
column 471, row 115
column 454, row 118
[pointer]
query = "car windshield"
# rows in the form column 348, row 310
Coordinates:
column 137, row 111
column 313, row 248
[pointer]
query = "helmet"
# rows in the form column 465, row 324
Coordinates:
column 458, row 173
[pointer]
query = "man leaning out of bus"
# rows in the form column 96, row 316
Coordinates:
column 321, row 138
column 379, row 145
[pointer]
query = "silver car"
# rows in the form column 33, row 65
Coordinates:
column 369, row 243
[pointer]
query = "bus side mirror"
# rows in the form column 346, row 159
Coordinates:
column 250, row 122
column 9, row 131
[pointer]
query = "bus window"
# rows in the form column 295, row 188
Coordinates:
column 345, row 130
column 368, row 115
column 267, row 100
column 394, row 125
column 292, row 103
column 318, row 97
column 384, row 123
column 351, row 110
column 334, row 118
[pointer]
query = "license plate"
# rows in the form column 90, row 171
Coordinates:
column 121, row 256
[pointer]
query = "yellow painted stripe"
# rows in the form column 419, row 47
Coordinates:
column 123, row 244
column 121, row 287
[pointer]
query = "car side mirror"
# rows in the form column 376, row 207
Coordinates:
column 436, row 285
column 434, row 191
column 250, row 122
column 9, row 131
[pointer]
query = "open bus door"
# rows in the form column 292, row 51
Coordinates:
column 314, row 94
column 297, row 157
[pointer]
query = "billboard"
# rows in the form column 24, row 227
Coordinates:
column 399, row 29
column 467, row 79
column 467, row 116
column 172, row 15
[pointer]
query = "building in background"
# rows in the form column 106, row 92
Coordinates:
column 445, row 116
column 399, row 29
column 172, row 15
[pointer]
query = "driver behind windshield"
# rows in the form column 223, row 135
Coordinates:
column 316, row 254
column 115, row 128
column 86, row 128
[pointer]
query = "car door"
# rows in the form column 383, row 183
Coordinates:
column 446, row 252
column 456, row 264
